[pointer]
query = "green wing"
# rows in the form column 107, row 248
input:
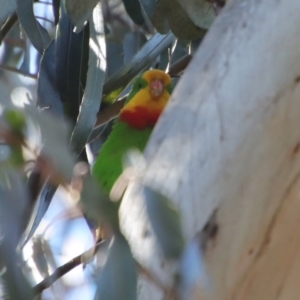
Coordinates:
column 108, row 165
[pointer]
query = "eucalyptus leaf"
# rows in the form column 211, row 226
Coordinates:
column 160, row 17
column 54, row 134
column 13, row 202
column 165, row 222
column 114, row 57
column 97, row 205
column 7, row 8
column 132, row 43
column 12, row 207
column 48, row 97
column 133, row 8
column 71, row 61
column 201, row 12
column 164, row 59
column 15, row 283
column 95, row 77
column 43, row 203
column 37, row 34
column 80, row 11
column 101, row 254
column 25, row 65
column 169, row 14
column 55, row 8
column 148, row 6
column 118, row 277
column 39, row 256
column 49, row 100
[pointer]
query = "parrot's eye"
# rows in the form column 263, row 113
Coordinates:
column 140, row 84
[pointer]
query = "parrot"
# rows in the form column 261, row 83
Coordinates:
column 148, row 97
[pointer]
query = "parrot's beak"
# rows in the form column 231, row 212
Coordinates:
column 156, row 88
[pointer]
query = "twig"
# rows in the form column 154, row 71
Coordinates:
column 64, row 269
column 15, row 70
column 45, row 19
column 44, row 2
column 170, row 54
column 179, row 66
column 76, row 261
column 12, row 20
column 9, row 24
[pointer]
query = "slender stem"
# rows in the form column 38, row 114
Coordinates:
column 9, row 25
column 45, row 19
column 15, row 70
column 44, row 2
column 179, row 66
column 64, row 269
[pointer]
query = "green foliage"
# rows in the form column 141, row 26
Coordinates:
column 200, row 12
column 169, row 14
column 108, row 166
column 90, row 103
column 165, row 222
column 88, row 57
column 97, row 204
column 118, row 278
column 37, row 34
column 7, row 8
column 71, row 56
column 15, row 119
column 134, row 10
column 12, row 206
column 80, row 11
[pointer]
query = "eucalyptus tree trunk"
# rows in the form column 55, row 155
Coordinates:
column 226, row 152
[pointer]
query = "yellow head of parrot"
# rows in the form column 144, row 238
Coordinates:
column 156, row 90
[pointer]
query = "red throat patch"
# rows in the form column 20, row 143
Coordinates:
column 140, row 118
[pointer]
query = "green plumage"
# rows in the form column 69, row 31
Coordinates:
column 108, row 165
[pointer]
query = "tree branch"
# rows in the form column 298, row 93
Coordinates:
column 179, row 66
column 64, row 269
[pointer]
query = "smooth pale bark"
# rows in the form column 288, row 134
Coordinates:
column 229, row 143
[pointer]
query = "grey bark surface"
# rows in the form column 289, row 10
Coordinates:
column 228, row 144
